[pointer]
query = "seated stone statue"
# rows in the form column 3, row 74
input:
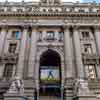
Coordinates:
column 81, row 87
column 16, row 86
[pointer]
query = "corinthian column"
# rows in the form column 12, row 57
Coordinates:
column 22, row 53
column 2, row 39
column 68, row 54
column 78, row 56
column 97, row 37
column 32, row 55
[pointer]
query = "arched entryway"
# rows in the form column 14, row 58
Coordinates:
column 50, row 73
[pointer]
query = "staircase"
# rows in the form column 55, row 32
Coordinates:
column 94, row 86
column 49, row 98
column 68, row 92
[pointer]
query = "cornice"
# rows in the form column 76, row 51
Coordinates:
column 32, row 9
column 47, row 14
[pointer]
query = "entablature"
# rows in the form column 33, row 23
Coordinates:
column 33, row 22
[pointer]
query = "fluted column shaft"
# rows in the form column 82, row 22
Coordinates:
column 97, row 37
column 97, row 40
column 22, row 53
column 68, row 53
column 32, row 55
column 2, row 39
column 78, row 56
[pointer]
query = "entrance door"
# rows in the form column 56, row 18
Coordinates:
column 50, row 74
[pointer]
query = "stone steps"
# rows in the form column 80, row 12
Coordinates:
column 29, row 87
column 49, row 98
column 29, row 83
column 68, row 92
column 94, row 84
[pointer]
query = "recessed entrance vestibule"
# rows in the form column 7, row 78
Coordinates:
column 50, row 74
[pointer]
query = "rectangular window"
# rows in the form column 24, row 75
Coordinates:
column 87, row 48
column 85, row 34
column 15, row 34
column 90, row 71
column 50, row 35
column 8, row 70
column 12, row 47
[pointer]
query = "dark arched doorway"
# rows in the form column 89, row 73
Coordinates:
column 50, row 73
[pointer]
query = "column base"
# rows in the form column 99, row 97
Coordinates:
column 85, row 98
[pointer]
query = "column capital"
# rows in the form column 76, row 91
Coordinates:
column 75, row 27
column 66, row 27
column 4, row 27
column 25, row 27
column 34, row 28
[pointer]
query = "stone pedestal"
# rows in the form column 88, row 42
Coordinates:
column 9, row 96
column 85, row 98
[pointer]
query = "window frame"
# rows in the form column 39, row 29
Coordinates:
column 14, row 34
column 92, row 70
column 85, row 34
column 50, row 35
column 12, row 48
column 88, row 46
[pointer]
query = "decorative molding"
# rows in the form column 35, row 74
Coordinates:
column 41, row 49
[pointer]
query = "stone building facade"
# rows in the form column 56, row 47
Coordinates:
column 49, row 50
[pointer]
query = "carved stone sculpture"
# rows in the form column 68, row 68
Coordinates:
column 81, row 87
column 16, row 86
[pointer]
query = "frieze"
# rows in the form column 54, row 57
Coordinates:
column 23, row 22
